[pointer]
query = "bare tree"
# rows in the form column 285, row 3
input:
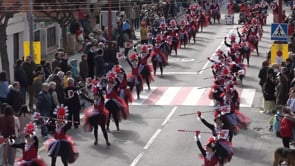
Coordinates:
column 7, row 11
column 60, row 11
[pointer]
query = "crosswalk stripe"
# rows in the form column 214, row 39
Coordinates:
column 181, row 96
column 194, row 96
column 247, row 97
column 155, row 95
column 190, row 96
column 168, row 96
column 204, row 100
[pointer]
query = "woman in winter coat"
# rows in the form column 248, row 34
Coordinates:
column 286, row 127
column 268, row 91
column 263, row 73
column 282, row 89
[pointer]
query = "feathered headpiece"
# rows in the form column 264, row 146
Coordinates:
column 61, row 112
column 30, row 129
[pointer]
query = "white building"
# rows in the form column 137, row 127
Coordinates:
column 18, row 32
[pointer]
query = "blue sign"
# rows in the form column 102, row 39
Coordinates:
column 279, row 32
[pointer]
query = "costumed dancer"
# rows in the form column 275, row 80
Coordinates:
column 72, row 101
column 61, row 144
column 191, row 27
column 252, row 36
column 144, row 68
column 173, row 32
column 208, row 154
column 221, row 149
column 97, row 115
column 123, row 89
column 29, row 148
column 201, row 21
column 246, row 52
column 114, row 103
column 183, row 34
column 221, row 123
column 231, row 45
column 134, row 78
column 215, row 12
column 231, row 109
column 157, row 57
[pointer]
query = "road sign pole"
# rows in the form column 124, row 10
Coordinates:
column 280, row 10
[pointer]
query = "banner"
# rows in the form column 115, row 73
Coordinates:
column 279, row 53
column 37, row 51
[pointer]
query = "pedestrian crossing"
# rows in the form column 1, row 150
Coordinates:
column 187, row 96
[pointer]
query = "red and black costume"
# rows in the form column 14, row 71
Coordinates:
column 210, row 157
column 158, row 58
column 96, row 115
column 173, row 33
column 145, row 69
column 61, row 144
column 114, row 103
column 215, row 12
column 123, row 90
column 29, row 148
column 134, row 78
column 183, row 33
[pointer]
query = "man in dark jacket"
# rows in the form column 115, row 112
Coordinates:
column 20, row 76
column 99, row 61
column 44, row 106
column 83, row 67
column 29, row 66
column 56, row 62
column 109, row 57
column 91, row 53
column 64, row 65
column 15, row 98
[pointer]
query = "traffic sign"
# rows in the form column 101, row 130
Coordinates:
column 279, row 32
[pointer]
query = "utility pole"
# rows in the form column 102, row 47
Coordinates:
column 119, row 5
column 31, row 28
column 110, row 21
column 280, row 10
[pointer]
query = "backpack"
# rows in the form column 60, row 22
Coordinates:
column 276, row 122
column 125, row 26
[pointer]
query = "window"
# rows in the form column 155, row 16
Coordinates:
column 51, row 37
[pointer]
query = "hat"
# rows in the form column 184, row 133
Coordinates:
column 133, row 56
column 117, row 69
column 61, row 112
column 211, row 142
column 30, row 129
column 144, row 48
column 217, row 115
column 96, row 91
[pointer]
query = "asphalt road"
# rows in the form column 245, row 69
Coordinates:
column 150, row 137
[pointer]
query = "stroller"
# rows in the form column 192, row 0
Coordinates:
column 242, row 18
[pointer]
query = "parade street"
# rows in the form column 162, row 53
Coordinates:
column 150, row 136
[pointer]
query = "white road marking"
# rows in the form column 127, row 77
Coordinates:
column 194, row 96
column 135, row 161
column 168, row 117
column 247, row 97
column 168, row 96
column 153, row 138
column 219, row 47
column 180, row 73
